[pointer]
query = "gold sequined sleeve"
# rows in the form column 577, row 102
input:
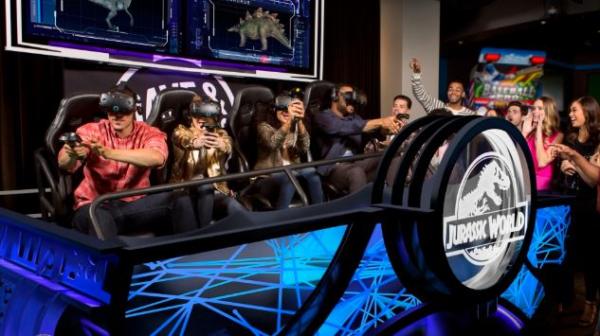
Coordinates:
column 227, row 139
column 269, row 137
column 182, row 137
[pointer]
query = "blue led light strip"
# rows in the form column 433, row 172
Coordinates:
column 256, row 287
column 374, row 295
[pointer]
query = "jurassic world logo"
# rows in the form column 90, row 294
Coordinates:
column 488, row 215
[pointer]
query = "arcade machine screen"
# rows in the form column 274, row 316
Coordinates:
column 505, row 75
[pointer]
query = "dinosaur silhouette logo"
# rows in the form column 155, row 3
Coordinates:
column 488, row 214
column 260, row 25
column 475, row 202
column 113, row 7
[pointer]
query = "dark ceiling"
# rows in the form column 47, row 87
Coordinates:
column 567, row 38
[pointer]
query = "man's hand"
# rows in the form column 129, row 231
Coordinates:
column 567, row 167
column 390, row 124
column 97, row 148
column 78, row 152
column 414, row 65
column 401, row 122
column 68, row 157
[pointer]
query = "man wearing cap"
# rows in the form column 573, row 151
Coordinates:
column 117, row 154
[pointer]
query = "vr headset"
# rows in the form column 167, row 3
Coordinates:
column 207, row 109
column 285, row 99
column 70, row 138
column 118, row 102
column 352, row 98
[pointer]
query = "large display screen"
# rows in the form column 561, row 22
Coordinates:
column 258, row 38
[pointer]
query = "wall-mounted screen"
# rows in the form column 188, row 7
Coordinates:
column 255, row 38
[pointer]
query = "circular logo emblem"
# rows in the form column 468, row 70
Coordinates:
column 148, row 83
column 486, row 214
column 484, row 223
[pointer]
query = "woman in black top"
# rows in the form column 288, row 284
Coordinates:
column 584, row 137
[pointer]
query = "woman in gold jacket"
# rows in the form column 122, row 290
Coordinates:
column 201, row 150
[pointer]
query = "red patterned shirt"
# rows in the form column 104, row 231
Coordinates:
column 101, row 176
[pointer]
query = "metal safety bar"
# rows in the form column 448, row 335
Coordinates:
column 237, row 176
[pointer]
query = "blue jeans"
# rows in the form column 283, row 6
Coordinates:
column 280, row 184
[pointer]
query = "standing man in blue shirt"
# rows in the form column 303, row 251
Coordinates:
column 338, row 133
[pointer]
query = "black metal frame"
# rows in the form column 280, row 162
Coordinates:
column 395, row 236
column 464, row 136
column 195, row 183
column 423, row 150
column 433, row 250
column 251, row 227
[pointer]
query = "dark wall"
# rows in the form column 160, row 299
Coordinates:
column 30, row 91
column 352, row 47
column 32, row 86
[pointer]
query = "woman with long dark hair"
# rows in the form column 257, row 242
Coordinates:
column 282, row 140
column 584, row 138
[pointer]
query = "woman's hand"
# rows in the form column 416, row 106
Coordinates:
column 213, row 140
column 562, row 151
column 567, row 167
column 199, row 139
column 296, row 109
column 528, row 125
column 541, row 115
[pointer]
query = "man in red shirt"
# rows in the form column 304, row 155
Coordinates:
column 118, row 154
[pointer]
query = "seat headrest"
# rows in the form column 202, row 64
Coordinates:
column 245, row 105
column 176, row 99
column 72, row 113
column 317, row 95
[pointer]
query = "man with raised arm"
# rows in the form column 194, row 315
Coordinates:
column 456, row 94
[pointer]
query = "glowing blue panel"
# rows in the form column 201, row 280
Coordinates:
column 526, row 292
column 54, row 260
column 374, row 295
column 252, row 288
column 547, row 247
column 548, row 243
